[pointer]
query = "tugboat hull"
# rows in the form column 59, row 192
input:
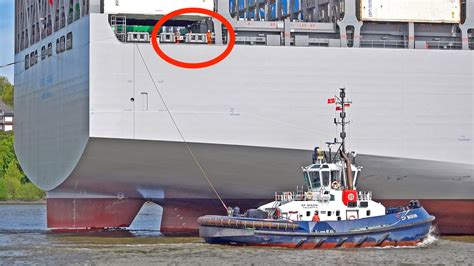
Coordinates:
column 403, row 228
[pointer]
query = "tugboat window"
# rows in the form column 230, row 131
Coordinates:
column 315, row 179
column 50, row 49
column 338, row 213
column 336, row 176
column 368, row 212
column 58, row 48
column 32, row 59
column 43, row 52
column 63, row 43
column 69, row 41
column 307, row 181
column 27, row 61
column 326, row 178
column 329, row 213
column 308, row 213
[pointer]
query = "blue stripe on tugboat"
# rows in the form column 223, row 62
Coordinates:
column 329, row 213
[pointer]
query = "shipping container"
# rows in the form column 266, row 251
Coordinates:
column 153, row 7
column 429, row 11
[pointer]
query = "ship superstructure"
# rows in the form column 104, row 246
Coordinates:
column 116, row 117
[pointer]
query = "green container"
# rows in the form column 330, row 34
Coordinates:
column 139, row 28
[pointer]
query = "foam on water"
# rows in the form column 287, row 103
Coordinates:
column 431, row 238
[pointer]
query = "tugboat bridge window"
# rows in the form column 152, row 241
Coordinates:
column 27, row 61
column 315, row 180
column 63, row 43
column 32, row 59
column 306, row 180
column 43, row 52
column 326, row 176
column 69, row 41
column 336, row 176
column 50, row 49
column 58, row 49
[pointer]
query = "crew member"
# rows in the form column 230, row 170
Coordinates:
column 316, row 217
column 209, row 37
column 178, row 36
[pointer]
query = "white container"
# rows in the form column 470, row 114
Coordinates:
column 430, row 11
column 154, row 7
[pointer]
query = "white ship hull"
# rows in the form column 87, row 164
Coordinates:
column 252, row 120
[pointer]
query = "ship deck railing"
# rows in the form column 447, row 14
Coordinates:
column 444, row 45
column 400, row 44
column 364, row 195
column 290, row 196
column 313, row 42
column 298, row 196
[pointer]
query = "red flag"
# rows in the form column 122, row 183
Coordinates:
column 50, row 2
column 331, row 100
column 347, row 105
column 338, row 108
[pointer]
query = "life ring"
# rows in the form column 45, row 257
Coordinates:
column 351, row 197
column 335, row 185
column 352, row 217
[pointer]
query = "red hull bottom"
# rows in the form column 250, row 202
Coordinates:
column 453, row 217
column 80, row 214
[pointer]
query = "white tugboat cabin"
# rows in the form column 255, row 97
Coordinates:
column 326, row 199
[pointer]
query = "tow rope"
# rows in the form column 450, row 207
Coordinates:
column 195, row 159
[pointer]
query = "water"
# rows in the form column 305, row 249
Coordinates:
column 24, row 240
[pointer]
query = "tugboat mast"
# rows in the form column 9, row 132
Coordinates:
column 341, row 105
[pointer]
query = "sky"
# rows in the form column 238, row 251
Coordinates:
column 7, row 22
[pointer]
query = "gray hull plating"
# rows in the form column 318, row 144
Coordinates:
column 252, row 120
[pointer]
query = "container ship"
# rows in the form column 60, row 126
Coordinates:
column 104, row 124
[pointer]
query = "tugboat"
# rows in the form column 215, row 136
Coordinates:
column 328, row 212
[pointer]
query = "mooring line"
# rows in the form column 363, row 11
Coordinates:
column 180, row 133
